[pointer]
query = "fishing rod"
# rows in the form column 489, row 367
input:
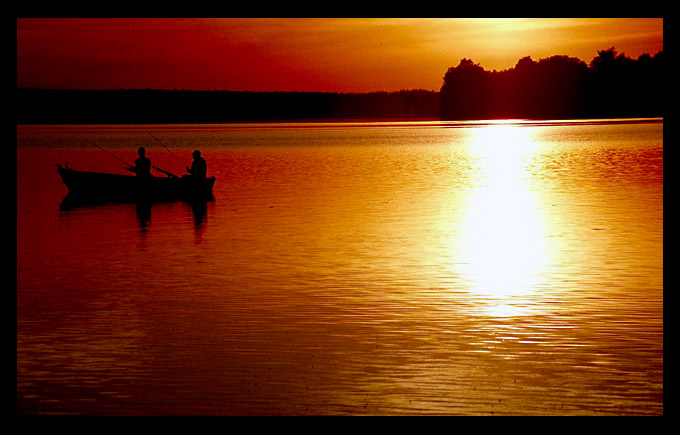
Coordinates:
column 168, row 150
column 127, row 164
column 109, row 153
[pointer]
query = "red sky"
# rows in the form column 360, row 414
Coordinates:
column 318, row 54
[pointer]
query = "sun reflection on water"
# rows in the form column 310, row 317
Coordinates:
column 503, row 245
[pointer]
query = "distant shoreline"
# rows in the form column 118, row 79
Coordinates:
column 145, row 107
column 54, row 106
column 384, row 122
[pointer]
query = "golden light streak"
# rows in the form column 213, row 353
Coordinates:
column 503, row 246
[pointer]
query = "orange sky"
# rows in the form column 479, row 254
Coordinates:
column 324, row 54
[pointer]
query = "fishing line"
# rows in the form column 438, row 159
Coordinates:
column 166, row 149
column 109, row 153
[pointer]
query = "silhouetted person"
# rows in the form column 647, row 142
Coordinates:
column 142, row 165
column 198, row 167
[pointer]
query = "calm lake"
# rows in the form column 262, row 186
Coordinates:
column 502, row 268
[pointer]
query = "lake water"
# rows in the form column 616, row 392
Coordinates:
column 348, row 268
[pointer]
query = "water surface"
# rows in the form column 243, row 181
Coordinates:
column 348, row 268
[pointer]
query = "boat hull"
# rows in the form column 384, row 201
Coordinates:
column 103, row 186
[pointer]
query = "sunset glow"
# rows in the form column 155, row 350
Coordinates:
column 340, row 216
column 504, row 247
column 323, row 55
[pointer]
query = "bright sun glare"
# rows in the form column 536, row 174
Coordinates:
column 504, row 246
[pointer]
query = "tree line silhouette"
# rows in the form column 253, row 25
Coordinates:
column 180, row 106
column 559, row 87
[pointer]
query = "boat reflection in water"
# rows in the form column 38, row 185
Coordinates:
column 199, row 206
column 87, row 189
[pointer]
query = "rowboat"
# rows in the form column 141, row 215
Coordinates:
column 104, row 186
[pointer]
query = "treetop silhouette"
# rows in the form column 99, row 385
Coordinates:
column 557, row 87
